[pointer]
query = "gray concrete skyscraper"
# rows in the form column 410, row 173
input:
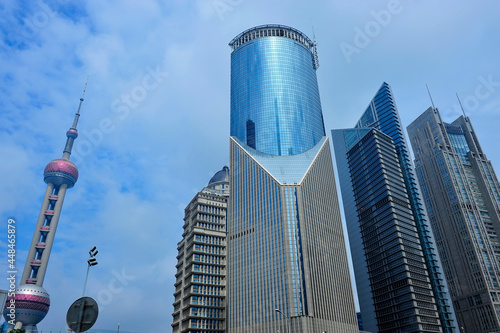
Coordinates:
column 287, row 262
column 462, row 195
column 200, row 286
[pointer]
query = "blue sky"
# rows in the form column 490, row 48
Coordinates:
column 155, row 121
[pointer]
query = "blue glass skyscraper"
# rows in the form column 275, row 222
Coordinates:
column 275, row 105
column 385, row 209
column 287, row 262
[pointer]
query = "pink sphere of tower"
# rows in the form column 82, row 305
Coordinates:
column 31, row 304
column 72, row 133
column 61, row 171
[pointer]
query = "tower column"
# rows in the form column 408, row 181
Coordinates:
column 37, row 234
column 50, row 236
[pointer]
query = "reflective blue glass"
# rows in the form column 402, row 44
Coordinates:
column 275, row 104
column 382, row 114
column 459, row 142
column 284, row 223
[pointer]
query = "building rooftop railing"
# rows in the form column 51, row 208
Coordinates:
column 271, row 30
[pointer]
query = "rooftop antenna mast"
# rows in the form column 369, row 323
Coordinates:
column 461, row 106
column 430, row 96
column 315, row 51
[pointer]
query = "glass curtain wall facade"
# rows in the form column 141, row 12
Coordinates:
column 287, row 259
column 200, row 287
column 401, row 292
column 275, row 105
column 382, row 115
column 461, row 193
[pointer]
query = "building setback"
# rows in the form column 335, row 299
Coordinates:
column 400, row 283
column 200, row 287
column 287, row 262
column 462, row 196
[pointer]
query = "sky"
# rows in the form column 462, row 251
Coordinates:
column 154, row 126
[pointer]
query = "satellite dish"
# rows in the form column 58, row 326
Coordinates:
column 82, row 314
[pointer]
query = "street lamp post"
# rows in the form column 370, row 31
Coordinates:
column 287, row 319
column 91, row 262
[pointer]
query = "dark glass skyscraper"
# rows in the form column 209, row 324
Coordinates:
column 396, row 265
column 287, row 264
column 462, row 196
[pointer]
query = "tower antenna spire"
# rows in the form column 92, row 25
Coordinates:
column 461, row 106
column 77, row 115
column 430, row 96
column 72, row 133
column 315, row 52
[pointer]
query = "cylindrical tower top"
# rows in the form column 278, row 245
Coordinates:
column 275, row 104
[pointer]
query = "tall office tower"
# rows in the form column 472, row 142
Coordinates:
column 31, row 300
column 394, row 257
column 462, row 196
column 200, row 287
column 287, row 262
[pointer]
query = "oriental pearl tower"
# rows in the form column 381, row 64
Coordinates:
column 31, row 300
